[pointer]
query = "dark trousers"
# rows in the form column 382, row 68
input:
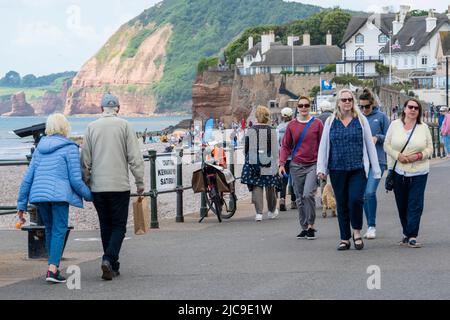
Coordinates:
column 349, row 187
column 112, row 210
column 285, row 184
column 409, row 196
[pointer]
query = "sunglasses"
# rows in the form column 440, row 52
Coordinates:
column 344, row 100
column 367, row 106
column 301, row 106
column 410, row 107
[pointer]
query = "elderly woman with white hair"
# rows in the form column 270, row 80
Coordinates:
column 347, row 152
column 52, row 183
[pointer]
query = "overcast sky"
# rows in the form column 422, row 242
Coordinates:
column 49, row 36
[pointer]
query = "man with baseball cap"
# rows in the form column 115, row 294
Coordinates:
column 110, row 149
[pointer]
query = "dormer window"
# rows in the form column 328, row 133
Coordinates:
column 382, row 38
column 359, row 38
column 411, row 42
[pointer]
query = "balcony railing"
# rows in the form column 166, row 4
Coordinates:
column 361, row 58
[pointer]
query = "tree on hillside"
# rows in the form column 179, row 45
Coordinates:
column 11, row 79
column 336, row 22
column 29, row 80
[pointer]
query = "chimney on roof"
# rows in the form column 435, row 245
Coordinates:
column 403, row 12
column 396, row 25
column 329, row 39
column 266, row 40
column 250, row 43
column 431, row 21
column 306, row 39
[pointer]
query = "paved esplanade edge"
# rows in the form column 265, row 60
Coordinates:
column 242, row 259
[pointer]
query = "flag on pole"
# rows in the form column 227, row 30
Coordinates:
column 326, row 85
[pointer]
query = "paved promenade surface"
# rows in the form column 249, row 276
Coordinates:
column 242, row 259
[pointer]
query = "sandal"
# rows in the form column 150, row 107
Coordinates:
column 343, row 246
column 359, row 246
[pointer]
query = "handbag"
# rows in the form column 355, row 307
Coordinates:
column 389, row 183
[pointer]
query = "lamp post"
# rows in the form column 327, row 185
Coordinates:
column 390, row 57
column 446, row 81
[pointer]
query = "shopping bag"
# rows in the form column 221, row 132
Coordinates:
column 141, row 215
column 198, row 184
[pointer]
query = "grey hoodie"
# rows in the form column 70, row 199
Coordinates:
column 379, row 124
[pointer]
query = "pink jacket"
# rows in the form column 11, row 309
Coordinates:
column 445, row 129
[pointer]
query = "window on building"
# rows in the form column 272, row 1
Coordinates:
column 396, row 62
column 359, row 38
column 359, row 54
column 382, row 38
column 424, row 60
column 413, row 61
column 359, row 70
column 405, row 61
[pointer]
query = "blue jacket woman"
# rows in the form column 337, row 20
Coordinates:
column 52, row 183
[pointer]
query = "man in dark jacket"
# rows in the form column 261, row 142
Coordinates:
column 327, row 110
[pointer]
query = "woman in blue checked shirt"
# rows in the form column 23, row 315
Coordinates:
column 347, row 152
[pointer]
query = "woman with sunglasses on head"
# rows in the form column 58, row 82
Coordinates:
column 301, row 141
column 409, row 145
column 379, row 124
column 347, row 152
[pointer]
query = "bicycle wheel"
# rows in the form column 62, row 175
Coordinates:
column 214, row 203
column 229, row 205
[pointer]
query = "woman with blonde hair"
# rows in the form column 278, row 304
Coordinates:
column 261, row 164
column 52, row 183
column 409, row 146
column 347, row 152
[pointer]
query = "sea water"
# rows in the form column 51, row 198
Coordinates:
column 13, row 147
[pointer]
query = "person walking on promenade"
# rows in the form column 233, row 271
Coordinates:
column 409, row 146
column 286, row 115
column 444, row 127
column 379, row 124
column 261, row 164
column 304, row 133
column 53, row 182
column 347, row 152
column 110, row 148
column 326, row 109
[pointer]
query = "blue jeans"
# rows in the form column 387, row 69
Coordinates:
column 409, row 196
column 349, row 189
column 55, row 216
column 446, row 144
column 370, row 197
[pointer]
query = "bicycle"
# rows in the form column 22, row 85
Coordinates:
column 220, row 196
column 218, row 185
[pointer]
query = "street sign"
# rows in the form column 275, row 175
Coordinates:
column 166, row 173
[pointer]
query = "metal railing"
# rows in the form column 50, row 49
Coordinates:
column 153, row 193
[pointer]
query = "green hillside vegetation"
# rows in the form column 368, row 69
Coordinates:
column 203, row 28
column 33, row 87
column 335, row 21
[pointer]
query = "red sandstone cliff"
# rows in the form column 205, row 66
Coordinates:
column 129, row 78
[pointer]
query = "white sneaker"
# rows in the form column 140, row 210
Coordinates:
column 273, row 215
column 371, row 233
column 258, row 217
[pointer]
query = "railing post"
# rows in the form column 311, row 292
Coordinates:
column 438, row 138
column 203, row 209
column 154, row 224
column 434, row 140
column 180, row 217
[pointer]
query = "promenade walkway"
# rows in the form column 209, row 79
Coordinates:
column 242, row 259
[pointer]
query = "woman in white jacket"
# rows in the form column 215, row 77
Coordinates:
column 347, row 153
